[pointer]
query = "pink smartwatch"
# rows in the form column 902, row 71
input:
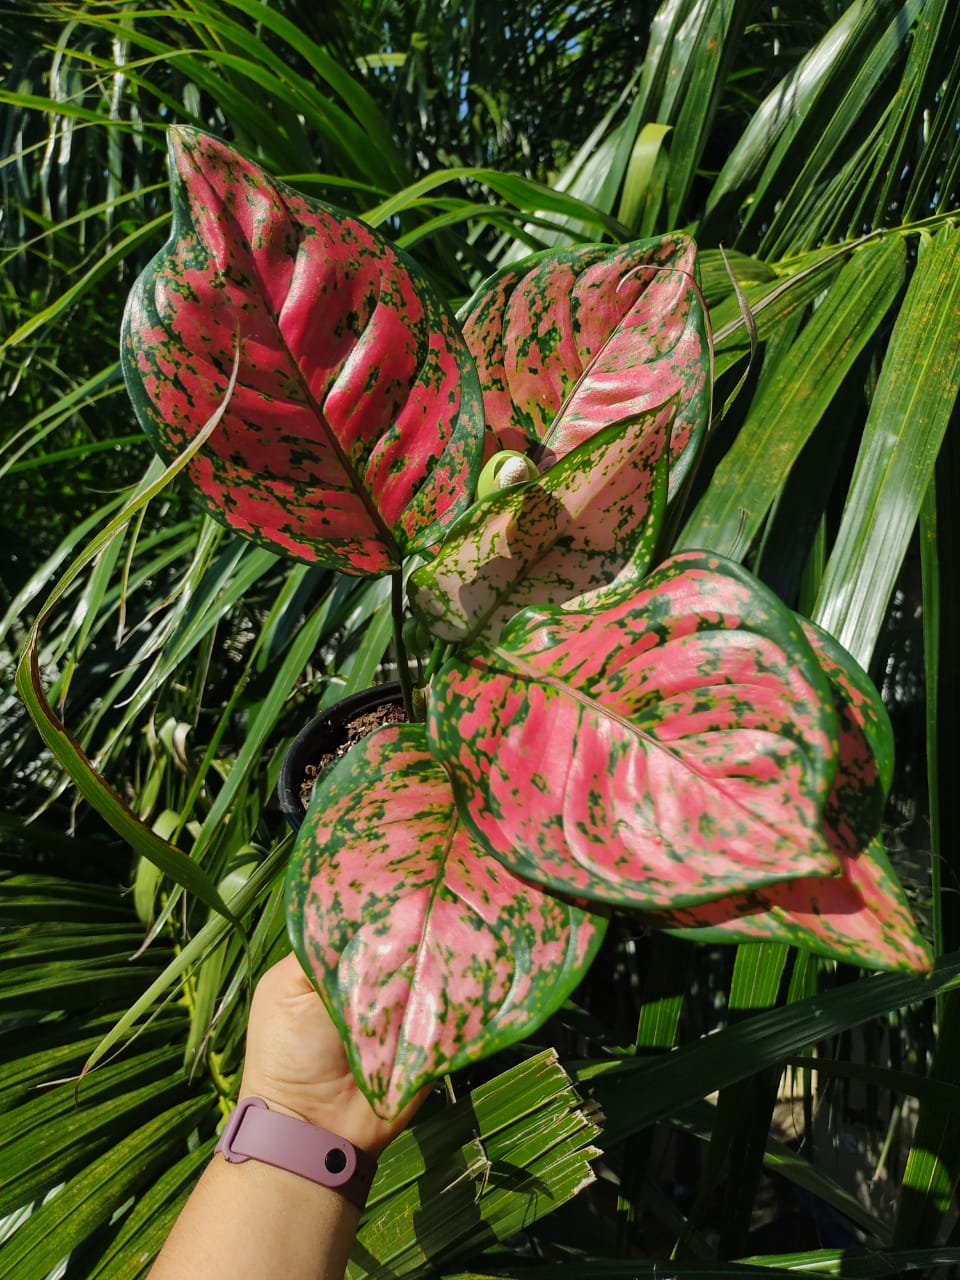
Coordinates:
column 254, row 1132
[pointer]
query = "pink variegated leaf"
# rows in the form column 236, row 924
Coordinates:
column 862, row 916
column 592, row 520
column 571, row 340
column 675, row 747
column 355, row 429
column 428, row 953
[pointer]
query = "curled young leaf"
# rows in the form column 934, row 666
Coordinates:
column 861, row 916
column 675, row 747
column 355, row 429
column 571, row 340
column 590, row 521
column 428, row 953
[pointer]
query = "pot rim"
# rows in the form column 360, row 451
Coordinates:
column 303, row 747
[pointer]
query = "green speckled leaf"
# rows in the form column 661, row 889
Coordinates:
column 862, row 916
column 355, row 429
column 571, row 340
column 428, row 953
column 592, row 519
column 673, row 748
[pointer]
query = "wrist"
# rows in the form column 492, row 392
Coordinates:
column 344, row 1112
column 277, row 1100
column 302, row 1102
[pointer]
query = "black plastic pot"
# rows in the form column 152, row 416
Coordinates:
column 322, row 736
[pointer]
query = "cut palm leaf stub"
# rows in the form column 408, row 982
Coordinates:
column 354, row 434
column 436, row 1197
column 862, row 916
column 573, row 340
column 675, row 747
column 428, row 953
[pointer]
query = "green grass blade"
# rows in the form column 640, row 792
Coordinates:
column 54, row 733
column 778, row 1158
column 744, row 1109
column 911, row 408
column 52, row 1136
column 522, row 193
column 939, row 556
column 640, row 171
column 145, row 1228
column 101, row 268
column 704, row 43
column 263, row 722
column 634, row 1094
column 903, row 1083
column 192, row 953
column 793, row 397
column 90, row 392
column 92, row 1196
column 664, row 991
column 846, row 1265
column 358, row 101
column 932, row 1174
column 841, row 136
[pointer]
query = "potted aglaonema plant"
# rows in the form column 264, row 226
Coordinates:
column 593, row 723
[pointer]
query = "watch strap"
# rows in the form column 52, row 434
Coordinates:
column 254, row 1132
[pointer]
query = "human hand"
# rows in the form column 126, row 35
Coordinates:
column 296, row 1062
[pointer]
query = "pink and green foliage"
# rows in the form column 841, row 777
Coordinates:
column 672, row 741
column 354, row 433
column 664, row 751
column 428, row 952
column 861, row 916
column 590, row 521
column 572, row 340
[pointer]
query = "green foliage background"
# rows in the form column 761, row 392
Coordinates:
column 817, row 143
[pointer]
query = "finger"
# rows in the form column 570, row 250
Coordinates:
column 286, row 978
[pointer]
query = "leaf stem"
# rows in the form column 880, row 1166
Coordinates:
column 437, row 655
column 403, row 665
